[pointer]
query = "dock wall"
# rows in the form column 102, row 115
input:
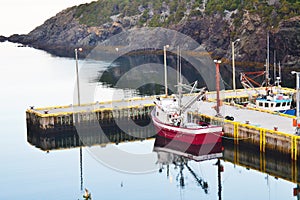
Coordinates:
column 67, row 120
column 277, row 164
column 264, row 139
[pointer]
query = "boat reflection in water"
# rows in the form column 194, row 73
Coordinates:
column 178, row 153
column 195, row 152
column 173, row 153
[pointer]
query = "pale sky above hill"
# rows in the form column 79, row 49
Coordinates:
column 22, row 16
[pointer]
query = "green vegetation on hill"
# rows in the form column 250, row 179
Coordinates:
column 99, row 12
column 164, row 13
column 271, row 11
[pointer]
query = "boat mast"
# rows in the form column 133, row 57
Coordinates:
column 279, row 69
column 179, row 80
column 165, row 69
column 268, row 61
column 177, row 69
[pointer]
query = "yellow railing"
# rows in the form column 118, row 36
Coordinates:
column 85, row 111
column 262, row 133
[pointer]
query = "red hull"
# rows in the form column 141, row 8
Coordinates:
column 195, row 139
column 195, row 136
column 204, row 151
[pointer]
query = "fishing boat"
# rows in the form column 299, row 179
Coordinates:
column 271, row 98
column 278, row 102
column 274, row 100
column 170, row 118
column 171, row 122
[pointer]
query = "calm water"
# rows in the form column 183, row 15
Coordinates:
column 32, row 77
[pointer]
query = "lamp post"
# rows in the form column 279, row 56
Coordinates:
column 218, row 86
column 78, row 98
column 233, row 64
column 77, row 75
column 297, row 99
column 165, row 68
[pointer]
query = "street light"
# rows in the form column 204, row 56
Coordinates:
column 218, row 86
column 77, row 75
column 78, row 98
column 165, row 68
column 233, row 64
column 297, row 98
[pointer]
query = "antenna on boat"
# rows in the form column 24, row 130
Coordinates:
column 268, row 61
column 278, row 78
column 267, row 79
column 279, row 69
column 275, row 75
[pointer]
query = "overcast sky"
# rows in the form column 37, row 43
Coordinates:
column 22, row 16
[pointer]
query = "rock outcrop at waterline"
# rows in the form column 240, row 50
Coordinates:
column 212, row 26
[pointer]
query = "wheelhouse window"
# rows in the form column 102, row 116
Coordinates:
column 284, row 104
column 260, row 104
column 277, row 104
column 267, row 104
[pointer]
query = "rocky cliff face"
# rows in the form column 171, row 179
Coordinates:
column 62, row 33
column 287, row 42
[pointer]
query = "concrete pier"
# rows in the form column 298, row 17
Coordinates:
column 266, row 130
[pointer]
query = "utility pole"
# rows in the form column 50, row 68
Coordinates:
column 218, row 86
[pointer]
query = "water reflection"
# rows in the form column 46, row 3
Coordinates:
column 123, row 68
column 272, row 163
column 174, row 156
column 125, row 63
column 178, row 154
column 66, row 136
column 194, row 152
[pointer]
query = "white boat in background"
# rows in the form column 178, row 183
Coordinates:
column 273, row 99
column 277, row 102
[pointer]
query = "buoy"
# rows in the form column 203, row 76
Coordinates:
column 294, row 122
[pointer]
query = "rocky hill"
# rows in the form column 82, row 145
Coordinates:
column 212, row 23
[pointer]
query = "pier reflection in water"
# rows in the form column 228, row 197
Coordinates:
column 125, row 63
column 173, row 156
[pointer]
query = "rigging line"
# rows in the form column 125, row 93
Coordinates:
column 200, row 170
column 225, row 83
